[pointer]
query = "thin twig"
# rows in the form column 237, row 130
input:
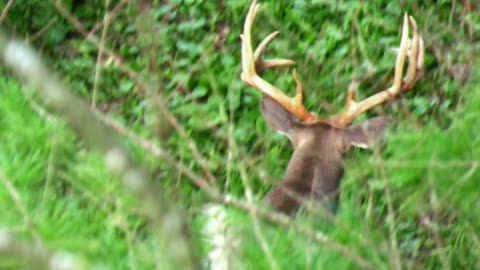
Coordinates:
column 17, row 199
column 5, row 10
column 437, row 164
column 112, row 15
column 395, row 255
column 433, row 226
column 99, row 64
column 288, row 222
column 253, row 214
column 40, row 32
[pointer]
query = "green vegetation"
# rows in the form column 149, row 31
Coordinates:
column 412, row 203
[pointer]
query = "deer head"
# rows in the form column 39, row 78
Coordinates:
column 315, row 168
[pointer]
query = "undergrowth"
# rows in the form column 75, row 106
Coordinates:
column 412, row 203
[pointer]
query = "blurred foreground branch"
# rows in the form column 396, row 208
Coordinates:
column 175, row 245
column 17, row 253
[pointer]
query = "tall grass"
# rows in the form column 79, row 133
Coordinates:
column 412, row 203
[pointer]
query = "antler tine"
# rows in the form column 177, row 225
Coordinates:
column 416, row 55
column 263, row 45
column 413, row 53
column 252, row 65
column 248, row 66
column 260, row 64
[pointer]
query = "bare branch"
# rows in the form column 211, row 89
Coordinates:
column 171, row 231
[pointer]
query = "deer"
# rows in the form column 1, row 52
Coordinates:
column 315, row 168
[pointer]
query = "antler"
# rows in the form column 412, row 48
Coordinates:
column 252, row 64
column 415, row 51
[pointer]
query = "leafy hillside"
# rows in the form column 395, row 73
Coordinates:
column 165, row 75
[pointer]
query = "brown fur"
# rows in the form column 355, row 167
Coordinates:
column 315, row 168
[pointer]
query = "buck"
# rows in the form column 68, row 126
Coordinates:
column 316, row 167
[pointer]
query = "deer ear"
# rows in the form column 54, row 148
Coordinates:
column 277, row 117
column 366, row 134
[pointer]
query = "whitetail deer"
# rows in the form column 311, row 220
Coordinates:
column 315, row 168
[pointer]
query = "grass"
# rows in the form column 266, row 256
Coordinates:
column 411, row 204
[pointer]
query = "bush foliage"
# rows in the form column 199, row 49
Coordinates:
column 411, row 203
